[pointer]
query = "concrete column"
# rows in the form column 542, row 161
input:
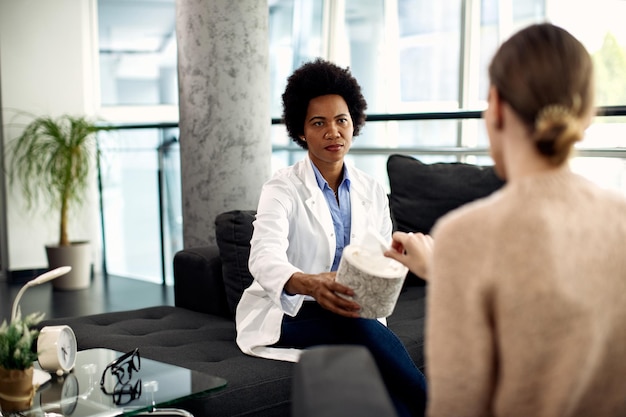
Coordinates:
column 224, row 100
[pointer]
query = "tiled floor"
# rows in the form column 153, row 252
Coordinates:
column 104, row 295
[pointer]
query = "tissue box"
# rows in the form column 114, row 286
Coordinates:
column 375, row 279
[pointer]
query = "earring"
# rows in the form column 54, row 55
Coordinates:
column 303, row 138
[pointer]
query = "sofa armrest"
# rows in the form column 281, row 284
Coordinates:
column 198, row 283
column 337, row 381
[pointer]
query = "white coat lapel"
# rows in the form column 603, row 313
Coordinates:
column 316, row 203
column 360, row 204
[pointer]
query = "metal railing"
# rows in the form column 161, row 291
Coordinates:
column 457, row 151
column 605, row 111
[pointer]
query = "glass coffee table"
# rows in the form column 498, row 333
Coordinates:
column 106, row 383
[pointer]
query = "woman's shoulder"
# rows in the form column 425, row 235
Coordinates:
column 291, row 181
column 363, row 179
column 291, row 173
column 474, row 217
column 610, row 196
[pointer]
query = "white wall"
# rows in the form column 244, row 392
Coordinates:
column 48, row 51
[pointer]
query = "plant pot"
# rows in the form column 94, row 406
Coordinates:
column 16, row 389
column 78, row 256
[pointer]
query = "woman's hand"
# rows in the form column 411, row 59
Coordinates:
column 413, row 250
column 325, row 290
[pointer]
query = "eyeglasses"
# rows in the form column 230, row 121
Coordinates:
column 125, row 393
column 122, row 368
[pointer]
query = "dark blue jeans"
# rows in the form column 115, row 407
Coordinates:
column 314, row 325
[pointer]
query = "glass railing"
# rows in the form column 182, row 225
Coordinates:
column 140, row 201
column 140, row 187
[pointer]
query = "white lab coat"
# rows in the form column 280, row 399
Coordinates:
column 293, row 232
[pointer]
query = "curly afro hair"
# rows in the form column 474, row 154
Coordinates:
column 314, row 79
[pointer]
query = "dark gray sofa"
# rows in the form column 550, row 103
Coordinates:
column 199, row 332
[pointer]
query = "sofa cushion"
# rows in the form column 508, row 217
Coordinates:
column 422, row 193
column 233, row 231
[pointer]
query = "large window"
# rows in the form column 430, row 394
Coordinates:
column 140, row 168
column 415, row 56
column 410, row 56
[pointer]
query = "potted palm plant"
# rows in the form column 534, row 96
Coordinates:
column 52, row 159
column 16, row 362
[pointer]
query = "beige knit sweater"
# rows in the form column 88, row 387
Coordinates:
column 527, row 303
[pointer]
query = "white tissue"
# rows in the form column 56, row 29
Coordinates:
column 370, row 255
column 374, row 242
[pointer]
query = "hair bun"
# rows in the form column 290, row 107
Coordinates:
column 556, row 129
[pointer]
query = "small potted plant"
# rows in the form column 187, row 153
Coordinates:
column 52, row 158
column 16, row 362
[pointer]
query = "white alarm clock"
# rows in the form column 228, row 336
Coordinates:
column 56, row 346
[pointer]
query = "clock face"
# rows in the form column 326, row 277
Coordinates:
column 66, row 348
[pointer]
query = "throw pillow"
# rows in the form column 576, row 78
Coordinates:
column 422, row 193
column 233, row 231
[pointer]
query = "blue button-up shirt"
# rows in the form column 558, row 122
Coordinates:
column 339, row 211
